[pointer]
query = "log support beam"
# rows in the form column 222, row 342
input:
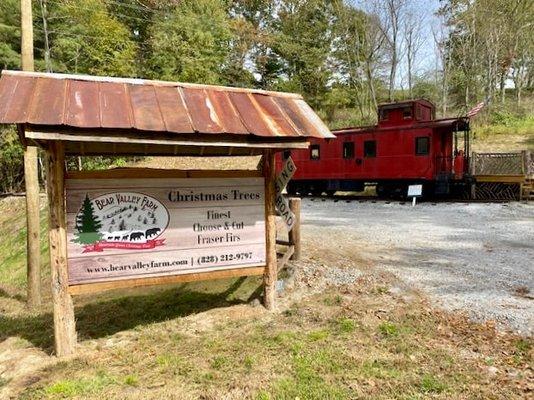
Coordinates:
column 294, row 234
column 271, row 268
column 64, row 323
column 33, row 250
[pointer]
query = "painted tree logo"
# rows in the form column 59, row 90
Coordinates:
column 87, row 224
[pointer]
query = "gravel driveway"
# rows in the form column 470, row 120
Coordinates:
column 472, row 257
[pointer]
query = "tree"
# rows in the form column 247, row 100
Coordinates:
column 303, row 42
column 11, row 161
column 10, row 34
column 191, row 43
column 413, row 41
column 391, row 13
column 88, row 39
column 87, row 224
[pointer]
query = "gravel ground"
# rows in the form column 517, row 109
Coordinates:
column 475, row 257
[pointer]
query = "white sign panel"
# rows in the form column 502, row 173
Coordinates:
column 415, row 190
column 282, row 204
column 134, row 228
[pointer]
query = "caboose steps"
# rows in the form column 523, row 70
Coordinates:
column 527, row 190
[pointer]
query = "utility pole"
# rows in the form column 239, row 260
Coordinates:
column 30, row 172
column 44, row 15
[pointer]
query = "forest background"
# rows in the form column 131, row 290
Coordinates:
column 344, row 57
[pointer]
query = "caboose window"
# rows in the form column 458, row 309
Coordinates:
column 369, row 148
column 348, row 149
column 407, row 112
column 384, row 115
column 314, row 152
column 422, row 146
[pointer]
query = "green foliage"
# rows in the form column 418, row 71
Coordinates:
column 10, row 34
column 191, row 42
column 80, row 387
column 431, row 384
column 346, row 325
column 92, row 41
column 303, row 41
column 11, row 161
column 388, row 329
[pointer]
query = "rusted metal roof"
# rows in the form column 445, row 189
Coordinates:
column 77, row 101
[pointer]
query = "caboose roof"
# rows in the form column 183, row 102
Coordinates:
column 398, row 104
column 450, row 124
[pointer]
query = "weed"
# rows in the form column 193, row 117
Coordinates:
column 320, row 334
column 248, row 362
column 219, row 362
column 80, row 387
column 388, row 329
column 379, row 369
column 333, row 301
column 131, row 380
column 263, row 395
column 430, row 384
column 522, row 347
column 381, row 290
column 346, row 325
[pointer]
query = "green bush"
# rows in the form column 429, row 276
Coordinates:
column 11, row 161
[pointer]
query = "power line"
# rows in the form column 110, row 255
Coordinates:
column 101, row 12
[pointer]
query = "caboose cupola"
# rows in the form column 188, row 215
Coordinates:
column 405, row 113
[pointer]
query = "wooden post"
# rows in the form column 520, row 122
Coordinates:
column 26, row 25
column 64, row 324
column 31, row 179
column 270, row 275
column 294, row 234
column 33, row 250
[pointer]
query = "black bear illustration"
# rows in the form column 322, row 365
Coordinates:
column 136, row 235
column 152, row 232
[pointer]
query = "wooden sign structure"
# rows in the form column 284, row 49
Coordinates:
column 128, row 228
column 125, row 228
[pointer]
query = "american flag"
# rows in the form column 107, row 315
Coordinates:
column 476, row 109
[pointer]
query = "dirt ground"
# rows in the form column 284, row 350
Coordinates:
column 477, row 258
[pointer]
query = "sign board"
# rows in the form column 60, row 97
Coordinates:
column 135, row 228
column 415, row 190
column 282, row 204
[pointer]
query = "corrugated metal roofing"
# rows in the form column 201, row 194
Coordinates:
column 79, row 101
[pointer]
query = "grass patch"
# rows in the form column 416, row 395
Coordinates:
column 79, row 387
column 346, row 325
column 131, row 380
column 431, row 384
column 333, row 300
column 388, row 329
column 379, row 369
column 320, row 334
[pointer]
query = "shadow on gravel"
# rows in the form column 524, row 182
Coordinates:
column 99, row 319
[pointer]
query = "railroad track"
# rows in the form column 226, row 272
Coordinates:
column 373, row 199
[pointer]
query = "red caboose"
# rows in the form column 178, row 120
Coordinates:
column 408, row 146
